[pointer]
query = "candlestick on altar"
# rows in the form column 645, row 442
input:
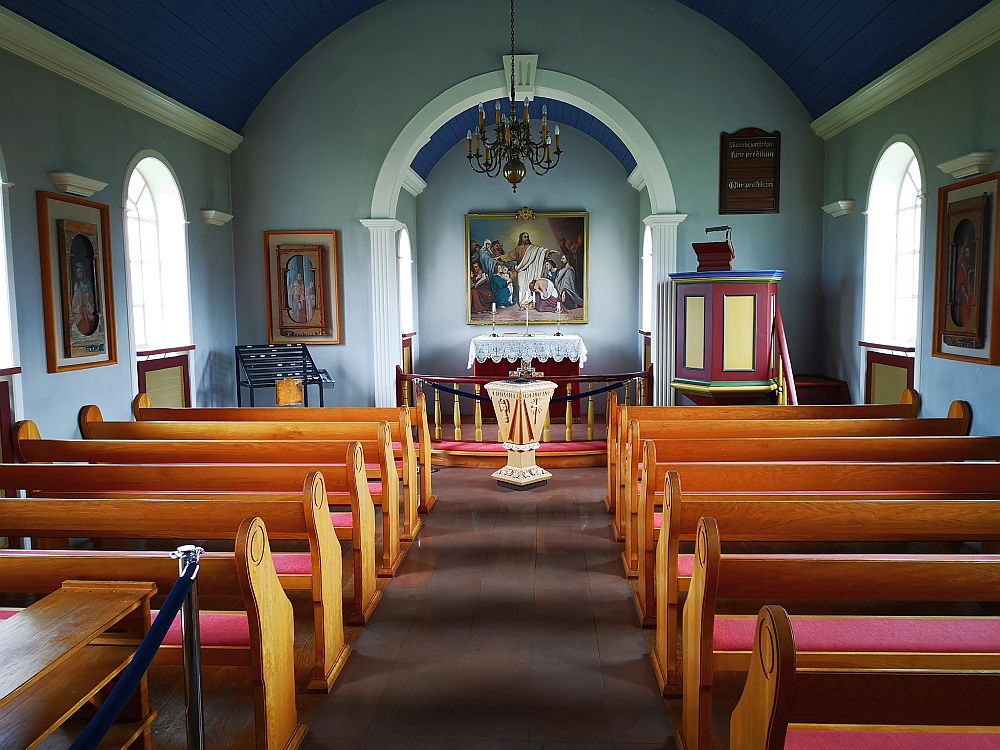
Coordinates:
column 493, row 315
column 558, row 318
column 527, row 333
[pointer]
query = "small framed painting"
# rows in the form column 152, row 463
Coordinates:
column 527, row 265
column 303, row 289
column 967, row 279
column 74, row 240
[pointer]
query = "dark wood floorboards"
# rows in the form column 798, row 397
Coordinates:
column 509, row 626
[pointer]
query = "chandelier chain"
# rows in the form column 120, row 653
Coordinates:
column 512, row 54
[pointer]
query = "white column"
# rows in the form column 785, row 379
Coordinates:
column 663, row 228
column 386, row 336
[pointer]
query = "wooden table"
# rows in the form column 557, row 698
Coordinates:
column 66, row 649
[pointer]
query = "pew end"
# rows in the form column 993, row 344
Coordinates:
column 141, row 401
column 962, row 411
column 89, row 414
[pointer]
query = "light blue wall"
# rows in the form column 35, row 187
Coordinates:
column 315, row 144
column 589, row 179
column 952, row 115
column 50, row 124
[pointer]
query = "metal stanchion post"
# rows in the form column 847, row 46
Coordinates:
column 185, row 555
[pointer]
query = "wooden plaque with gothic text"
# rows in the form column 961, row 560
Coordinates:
column 749, row 171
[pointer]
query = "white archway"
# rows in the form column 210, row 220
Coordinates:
column 386, row 336
column 548, row 83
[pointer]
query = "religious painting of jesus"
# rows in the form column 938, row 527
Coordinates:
column 966, row 285
column 302, row 287
column 527, row 264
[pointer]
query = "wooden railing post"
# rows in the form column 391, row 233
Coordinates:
column 546, row 435
column 625, row 400
column 437, row 414
column 569, row 413
column 479, row 417
column 590, row 412
column 457, row 416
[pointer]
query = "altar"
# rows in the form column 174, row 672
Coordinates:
column 552, row 356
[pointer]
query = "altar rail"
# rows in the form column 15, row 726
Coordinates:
column 635, row 388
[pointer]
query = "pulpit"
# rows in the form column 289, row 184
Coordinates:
column 725, row 351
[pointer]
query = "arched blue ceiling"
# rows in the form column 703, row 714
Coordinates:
column 456, row 128
column 221, row 57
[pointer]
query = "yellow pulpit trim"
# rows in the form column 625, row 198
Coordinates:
column 738, row 322
column 694, row 332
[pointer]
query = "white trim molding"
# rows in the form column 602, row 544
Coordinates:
column 53, row 53
column 413, row 183
column 839, row 208
column 215, row 218
column 67, row 182
column 387, row 350
column 524, row 76
column 636, row 180
column 955, row 46
column 663, row 233
column 969, row 165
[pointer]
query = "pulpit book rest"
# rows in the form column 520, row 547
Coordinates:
column 263, row 365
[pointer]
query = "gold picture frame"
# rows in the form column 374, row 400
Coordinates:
column 78, row 300
column 302, row 268
column 967, row 274
column 553, row 267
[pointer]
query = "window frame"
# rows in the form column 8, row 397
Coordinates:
column 898, row 175
column 132, row 166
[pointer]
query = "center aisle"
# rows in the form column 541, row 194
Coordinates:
column 509, row 625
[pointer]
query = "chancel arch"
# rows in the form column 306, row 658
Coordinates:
column 650, row 172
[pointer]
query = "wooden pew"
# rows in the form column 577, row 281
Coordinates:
column 941, row 517
column 370, row 433
column 956, row 480
column 620, row 415
column 269, row 650
column 407, row 419
column 956, row 424
column 782, row 706
column 712, row 642
column 307, row 519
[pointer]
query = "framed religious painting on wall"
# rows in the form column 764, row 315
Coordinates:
column 303, row 287
column 967, row 279
column 527, row 263
column 78, row 303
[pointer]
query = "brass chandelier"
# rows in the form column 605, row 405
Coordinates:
column 512, row 145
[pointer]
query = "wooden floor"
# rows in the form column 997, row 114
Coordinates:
column 509, row 626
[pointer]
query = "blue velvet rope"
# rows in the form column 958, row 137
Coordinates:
column 554, row 400
column 129, row 679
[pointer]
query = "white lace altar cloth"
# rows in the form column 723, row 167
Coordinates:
column 515, row 348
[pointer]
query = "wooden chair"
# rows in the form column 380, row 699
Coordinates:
column 797, row 518
column 408, row 419
column 956, row 424
column 191, row 518
column 861, row 709
column 385, row 494
column 268, row 647
column 713, row 642
column 619, row 417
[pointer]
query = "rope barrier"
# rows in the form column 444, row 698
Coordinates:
column 554, row 400
column 109, row 711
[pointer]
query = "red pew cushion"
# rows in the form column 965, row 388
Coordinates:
column 907, row 634
column 7, row 612
column 376, row 467
column 685, row 565
column 555, row 447
column 657, row 520
column 293, row 563
column 805, row 739
column 217, row 629
column 342, row 519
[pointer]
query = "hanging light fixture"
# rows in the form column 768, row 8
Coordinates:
column 512, row 146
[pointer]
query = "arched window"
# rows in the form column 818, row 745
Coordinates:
column 892, row 249
column 7, row 355
column 156, row 235
column 647, row 281
column 405, row 282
